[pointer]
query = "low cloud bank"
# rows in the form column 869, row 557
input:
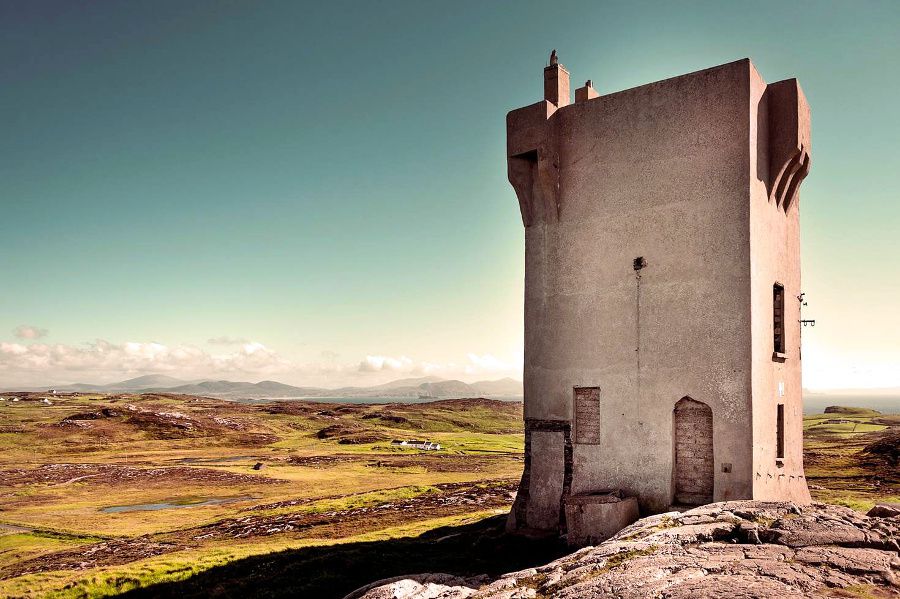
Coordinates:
column 38, row 364
column 42, row 362
column 476, row 365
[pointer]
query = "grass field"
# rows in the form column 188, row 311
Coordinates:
column 101, row 495
column 850, row 457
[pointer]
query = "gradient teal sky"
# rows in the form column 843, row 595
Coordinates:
column 316, row 192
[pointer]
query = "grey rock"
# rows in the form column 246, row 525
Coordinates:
column 420, row 586
column 743, row 549
column 885, row 510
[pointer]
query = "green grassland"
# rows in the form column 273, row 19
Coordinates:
column 103, row 494
column 850, row 457
column 70, row 470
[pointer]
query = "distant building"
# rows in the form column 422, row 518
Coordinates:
column 415, row 444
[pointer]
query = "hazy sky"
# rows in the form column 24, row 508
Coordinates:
column 316, row 192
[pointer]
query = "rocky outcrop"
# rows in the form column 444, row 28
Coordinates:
column 886, row 449
column 732, row 549
column 884, row 510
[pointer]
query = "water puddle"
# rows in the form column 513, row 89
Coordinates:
column 237, row 458
column 12, row 529
column 173, row 505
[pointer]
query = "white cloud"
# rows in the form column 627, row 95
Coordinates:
column 252, row 357
column 488, row 364
column 226, row 340
column 28, row 332
column 379, row 363
column 477, row 365
column 109, row 360
column 102, row 361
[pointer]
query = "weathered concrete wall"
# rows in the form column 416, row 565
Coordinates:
column 775, row 258
column 662, row 172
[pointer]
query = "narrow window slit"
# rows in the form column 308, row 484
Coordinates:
column 778, row 318
column 779, row 433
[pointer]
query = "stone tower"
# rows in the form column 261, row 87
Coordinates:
column 662, row 285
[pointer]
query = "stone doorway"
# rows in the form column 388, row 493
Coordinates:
column 694, row 468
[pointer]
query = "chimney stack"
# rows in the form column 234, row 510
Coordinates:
column 556, row 82
column 586, row 93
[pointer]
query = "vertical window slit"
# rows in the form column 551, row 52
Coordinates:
column 779, row 433
column 778, row 317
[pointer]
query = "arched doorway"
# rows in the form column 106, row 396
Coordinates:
column 694, row 468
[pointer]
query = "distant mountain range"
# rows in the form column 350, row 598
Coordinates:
column 403, row 388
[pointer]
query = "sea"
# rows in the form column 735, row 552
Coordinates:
column 815, row 403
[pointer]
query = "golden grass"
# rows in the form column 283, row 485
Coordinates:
column 74, row 508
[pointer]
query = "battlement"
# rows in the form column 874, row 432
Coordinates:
column 537, row 134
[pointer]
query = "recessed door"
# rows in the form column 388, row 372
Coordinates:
column 694, row 468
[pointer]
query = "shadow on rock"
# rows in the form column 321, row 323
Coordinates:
column 324, row 572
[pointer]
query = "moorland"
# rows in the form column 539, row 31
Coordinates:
column 176, row 495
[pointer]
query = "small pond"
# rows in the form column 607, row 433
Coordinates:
column 236, row 458
column 11, row 529
column 171, row 505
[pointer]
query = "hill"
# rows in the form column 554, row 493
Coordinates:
column 506, row 386
column 412, row 382
column 232, row 389
column 149, row 381
column 430, row 387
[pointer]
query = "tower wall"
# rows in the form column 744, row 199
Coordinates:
column 659, row 172
column 780, row 140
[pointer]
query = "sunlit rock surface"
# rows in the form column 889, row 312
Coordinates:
column 730, row 549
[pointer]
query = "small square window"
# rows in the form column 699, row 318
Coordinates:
column 587, row 415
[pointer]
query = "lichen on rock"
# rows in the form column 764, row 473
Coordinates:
column 734, row 549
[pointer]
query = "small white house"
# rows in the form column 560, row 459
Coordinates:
column 416, row 444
